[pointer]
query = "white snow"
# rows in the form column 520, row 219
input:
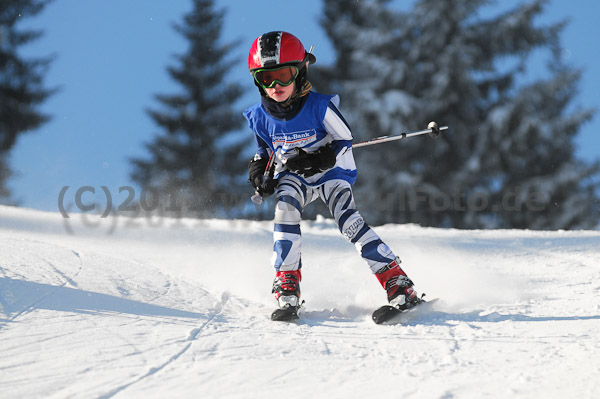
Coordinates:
column 136, row 308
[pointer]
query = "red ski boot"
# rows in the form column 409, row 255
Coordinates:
column 399, row 287
column 286, row 288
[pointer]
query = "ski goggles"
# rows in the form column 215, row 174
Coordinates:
column 267, row 78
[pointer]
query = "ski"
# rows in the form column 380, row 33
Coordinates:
column 289, row 313
column 385, row 313
column 388, row 313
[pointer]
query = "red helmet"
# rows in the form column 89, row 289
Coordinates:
column 277, row 48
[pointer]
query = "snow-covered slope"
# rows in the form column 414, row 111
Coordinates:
column 137, row 308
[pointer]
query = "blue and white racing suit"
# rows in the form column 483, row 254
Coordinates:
column 318, row 123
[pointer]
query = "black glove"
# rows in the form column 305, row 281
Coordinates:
column 307, row 165
column 264, row 185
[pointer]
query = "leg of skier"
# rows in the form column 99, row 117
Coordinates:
column 290, row 201
column 337, row 194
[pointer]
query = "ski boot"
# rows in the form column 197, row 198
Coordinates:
column 286, row 288
column 399, row 287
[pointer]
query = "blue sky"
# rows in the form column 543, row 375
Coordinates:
column 111, row 60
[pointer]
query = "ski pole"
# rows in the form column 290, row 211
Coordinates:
column 432, row 129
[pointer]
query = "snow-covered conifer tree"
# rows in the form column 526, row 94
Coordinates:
column 508, row 159
column 21, row 82
column 193, row 164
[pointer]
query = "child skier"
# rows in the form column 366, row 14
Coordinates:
column 304, row 140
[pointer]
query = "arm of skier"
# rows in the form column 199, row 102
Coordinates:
column 337, row 127
column 263, row 183
column 325, row 157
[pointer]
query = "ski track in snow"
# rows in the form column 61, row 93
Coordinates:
column 126, row 310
